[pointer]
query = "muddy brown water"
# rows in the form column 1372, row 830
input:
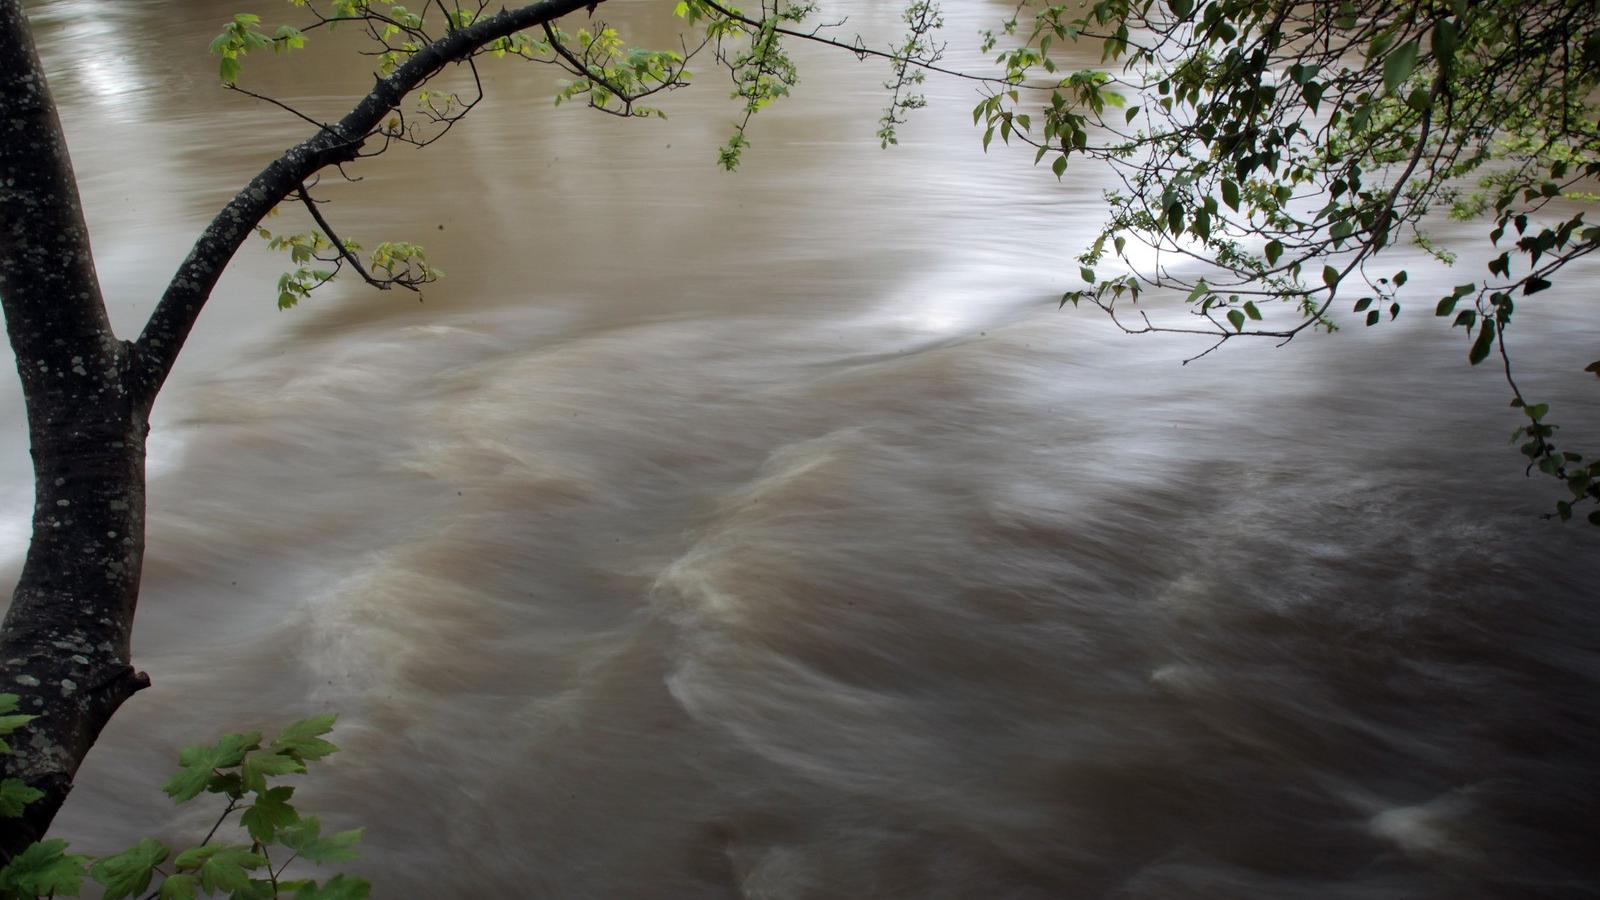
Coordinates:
column 773, row 535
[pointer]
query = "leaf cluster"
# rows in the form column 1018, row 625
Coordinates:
column 239, row 768
column 612, row 77
column 241, row 35
column 1272, row 149
column 390, row 264
column 1276, row 148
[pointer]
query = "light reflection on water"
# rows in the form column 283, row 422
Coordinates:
column 773, row 535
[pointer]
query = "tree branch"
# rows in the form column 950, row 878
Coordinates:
column 48, row 285
column 861, row 50
column 344, row 252
column 168, row 327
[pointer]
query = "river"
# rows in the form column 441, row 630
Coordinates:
column 773, row 535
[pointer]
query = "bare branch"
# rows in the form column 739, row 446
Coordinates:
column 861, row 50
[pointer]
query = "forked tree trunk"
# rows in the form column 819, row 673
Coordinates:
column 64, row 644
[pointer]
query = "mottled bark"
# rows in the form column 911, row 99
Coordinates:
column 64, row 643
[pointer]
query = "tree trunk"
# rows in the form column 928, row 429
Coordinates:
column 64, row 644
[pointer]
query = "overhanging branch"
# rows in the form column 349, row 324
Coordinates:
column 168, row 327
column 382, row 284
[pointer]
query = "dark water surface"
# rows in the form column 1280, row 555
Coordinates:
column 772, row 535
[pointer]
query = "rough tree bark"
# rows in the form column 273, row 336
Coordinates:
column 64, row 644
column 65, row 641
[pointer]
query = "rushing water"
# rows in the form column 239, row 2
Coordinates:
column 773, row 535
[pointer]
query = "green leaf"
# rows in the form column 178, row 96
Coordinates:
column 257, row 889
column 270, row 812
column 1312, row 91
column 14, row 795
column 289, row 38
column 305, row 837
column 1230, row 194
column 180, row 887
column 44, row 869
column 1237, row 318
column 1274, row 250
column 339, row 887
column 1251, row 311
column 1446, row 37
column 1059, row 166
column 228, row 783
column 1373, row 317
column 128, row 873
column 10, row 723
column 198, row 762
column 1446, row 306
column 222, row 867
column 1593, row 367
column 1086, row 273
column 1481, row 346
column 260, row 766
column 1330, row 276
column 1537, row 411
column 1399, row 65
